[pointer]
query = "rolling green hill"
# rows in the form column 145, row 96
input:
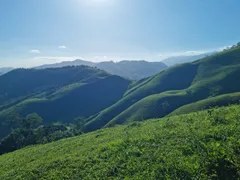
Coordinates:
column 202, row 145
column 57, row 95
column 22, row 83
column 183, row 84
column 218, row 101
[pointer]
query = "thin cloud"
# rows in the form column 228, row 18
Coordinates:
column 35, row 51
column 62, row 47
column 54, row 59
column 192, row 52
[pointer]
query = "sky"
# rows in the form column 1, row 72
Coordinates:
column 35, row 32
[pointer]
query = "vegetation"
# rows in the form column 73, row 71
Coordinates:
column 180, row 85
column 31, row 131
column 202, row 145
column 218, row 101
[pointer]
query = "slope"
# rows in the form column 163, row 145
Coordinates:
column 5, row 70
column 201, row 145
column 183, row 84
column 209, row 103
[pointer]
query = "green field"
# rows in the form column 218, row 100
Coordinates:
column 202, row 145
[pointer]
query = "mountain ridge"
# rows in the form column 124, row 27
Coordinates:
column 134, row 70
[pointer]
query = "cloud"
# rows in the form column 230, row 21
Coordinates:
column 35, row 51
column 55, row 59
column 62, row 47
column 224, row 47
column 191, row 52
column 181, row 53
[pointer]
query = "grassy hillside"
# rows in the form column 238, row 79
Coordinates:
column 57, row 95
column 203, row 145
column 161, row 94
column 222, row 100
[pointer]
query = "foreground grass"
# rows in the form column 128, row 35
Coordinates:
column 203, row 145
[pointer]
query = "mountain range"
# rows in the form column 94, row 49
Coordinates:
column 134, row 70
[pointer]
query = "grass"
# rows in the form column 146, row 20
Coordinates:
column 202, row 145
column 222, row 100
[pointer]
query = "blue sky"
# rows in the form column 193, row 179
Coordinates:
column 34, row 32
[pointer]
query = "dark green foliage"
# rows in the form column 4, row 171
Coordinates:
column 17, row 139
column 202, row 145
column 32, row 121
column 22, row 137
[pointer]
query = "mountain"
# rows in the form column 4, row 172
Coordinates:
column 172, row 88
column 134, row 70
column 202, row 145
column 77, row 62
column 57, row 94
column 5, row 70
column 174, row 60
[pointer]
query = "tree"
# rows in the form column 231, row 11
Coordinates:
column 79, row 122
column 32, row 121
column 165, row 106
column 13, row 120
column 238, row 44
